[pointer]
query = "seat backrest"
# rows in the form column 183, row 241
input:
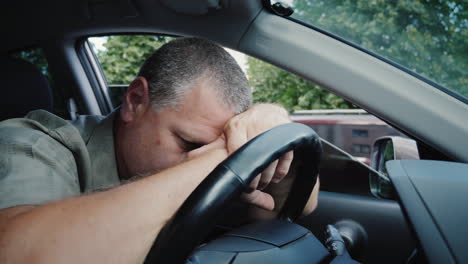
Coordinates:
column 23, row 88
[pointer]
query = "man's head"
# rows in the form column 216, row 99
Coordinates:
column 183, row 95
column 176, row 66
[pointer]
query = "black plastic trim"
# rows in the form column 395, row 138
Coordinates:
column 84, row 59
column 434, row 196
column 99, row 73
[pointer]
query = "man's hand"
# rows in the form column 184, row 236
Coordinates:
column 245, row 126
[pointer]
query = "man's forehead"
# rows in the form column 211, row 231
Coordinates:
column 204, row 112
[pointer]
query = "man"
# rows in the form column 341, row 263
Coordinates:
column 187, row 110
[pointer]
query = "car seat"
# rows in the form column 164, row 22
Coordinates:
column 24, row 88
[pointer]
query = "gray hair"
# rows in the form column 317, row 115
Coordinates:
column 174, row 68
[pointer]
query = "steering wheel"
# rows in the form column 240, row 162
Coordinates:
column 199, row 213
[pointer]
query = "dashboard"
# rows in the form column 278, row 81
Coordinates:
column 434, row 196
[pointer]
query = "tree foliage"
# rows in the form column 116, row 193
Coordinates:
column 124, row 55
column 271, row 84
column 429, row 37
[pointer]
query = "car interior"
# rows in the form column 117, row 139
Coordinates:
column 415, row 214
column 17, row 72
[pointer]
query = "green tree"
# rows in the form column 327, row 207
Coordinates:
column 124, row 55
column 122, row 58
column 429, row 37
column 271, row 84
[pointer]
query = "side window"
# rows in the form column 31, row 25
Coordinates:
column 121, row 58
column 335, row 120
column 37, row 57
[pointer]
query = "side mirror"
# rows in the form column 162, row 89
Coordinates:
column 386, row 149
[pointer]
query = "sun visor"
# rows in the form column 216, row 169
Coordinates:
column 194, row 7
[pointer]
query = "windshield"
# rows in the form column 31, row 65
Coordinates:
column 427, row 37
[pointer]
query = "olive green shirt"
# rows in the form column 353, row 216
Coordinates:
column 44, row 158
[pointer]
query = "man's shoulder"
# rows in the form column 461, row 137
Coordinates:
column 32, row 127
column 38, row 159
column 52, row 143
column 41, row 124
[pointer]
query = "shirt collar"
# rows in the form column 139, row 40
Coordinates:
column 102, row 154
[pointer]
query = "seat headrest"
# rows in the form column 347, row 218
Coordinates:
column 23, row 88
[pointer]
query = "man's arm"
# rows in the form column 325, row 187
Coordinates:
column 118, row 225
column 113, row 226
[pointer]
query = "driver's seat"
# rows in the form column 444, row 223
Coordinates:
column 24, row 88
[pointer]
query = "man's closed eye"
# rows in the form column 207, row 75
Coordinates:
column 188, row 145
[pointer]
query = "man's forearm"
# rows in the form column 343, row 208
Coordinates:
column 114, row 226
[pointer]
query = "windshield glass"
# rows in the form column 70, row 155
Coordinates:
column 425, row 36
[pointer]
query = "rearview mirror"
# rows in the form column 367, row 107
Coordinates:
column 386, row 149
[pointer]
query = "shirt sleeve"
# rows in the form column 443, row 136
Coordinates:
column 34, row 168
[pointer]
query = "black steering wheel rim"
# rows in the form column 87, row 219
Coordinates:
column 229, row 179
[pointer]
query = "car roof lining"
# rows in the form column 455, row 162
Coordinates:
column 100, row 17
column 194, row 7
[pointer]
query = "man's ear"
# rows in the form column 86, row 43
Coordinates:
column 136, row 100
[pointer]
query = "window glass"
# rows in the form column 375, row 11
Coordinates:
column 272, row 84
column 122, row 56
column 333, row 118
column 350, row 131
column 37, row 57
column 427, row 37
